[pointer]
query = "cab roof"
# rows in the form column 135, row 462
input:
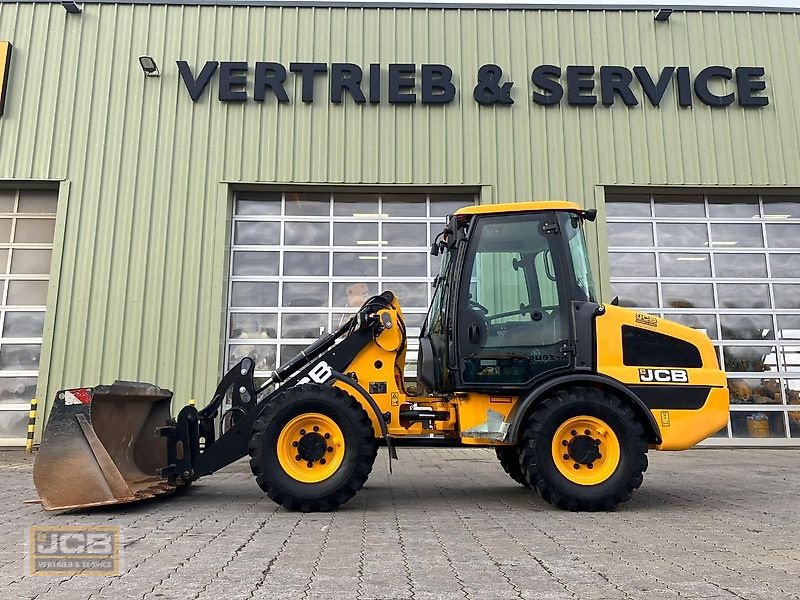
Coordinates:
column 510, row 207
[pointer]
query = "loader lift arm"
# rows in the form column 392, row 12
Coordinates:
column 192, row 447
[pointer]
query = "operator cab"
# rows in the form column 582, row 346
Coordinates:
column 502, row 305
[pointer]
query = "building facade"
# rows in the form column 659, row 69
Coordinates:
column 184, row 183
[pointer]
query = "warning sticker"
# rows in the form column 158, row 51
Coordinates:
column 80, row 396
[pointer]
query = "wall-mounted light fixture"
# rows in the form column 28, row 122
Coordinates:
column 662, row 15
column 149, row 66
column 72, row 7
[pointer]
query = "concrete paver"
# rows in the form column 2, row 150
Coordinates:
column 707, row 524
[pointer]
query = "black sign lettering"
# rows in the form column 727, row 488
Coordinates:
column 233, row 81
column 616, row 81
column 270, row 75
column 346, row 76
column 401, row 78
column 654, row 90
column 307, row 71
column 437, row 84
column 197, row 86
column 550, row 83
column 684, row 86
column 705, row 94
column 374, row 84
column 546, row 78
column 747, row 84
column 490, row 88
column 579, row 79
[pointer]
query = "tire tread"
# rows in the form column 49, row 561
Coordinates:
column 365, row 444
column 509, row 460
column 532, row 436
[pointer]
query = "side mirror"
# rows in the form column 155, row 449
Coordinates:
column 590, row 214
column 437, row 244
column 450, row 231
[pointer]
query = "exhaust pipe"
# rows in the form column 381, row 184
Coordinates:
column 101, row 447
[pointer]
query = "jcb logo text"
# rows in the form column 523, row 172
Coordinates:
column 319, row 374
column 664, row 375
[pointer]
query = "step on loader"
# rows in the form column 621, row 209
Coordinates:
column 516, row 354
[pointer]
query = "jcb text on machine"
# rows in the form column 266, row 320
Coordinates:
column 516, row 353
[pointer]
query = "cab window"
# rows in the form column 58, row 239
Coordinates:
column 512, row 319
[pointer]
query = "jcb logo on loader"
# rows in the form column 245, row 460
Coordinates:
column 319, row 374
column 664, row 375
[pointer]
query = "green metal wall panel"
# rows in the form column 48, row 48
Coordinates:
column 140, row 275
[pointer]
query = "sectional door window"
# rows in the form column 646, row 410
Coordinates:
column 302, row 263
column 729, row 265
column 27, row 222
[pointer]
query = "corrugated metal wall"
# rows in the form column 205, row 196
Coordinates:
column 140, row 292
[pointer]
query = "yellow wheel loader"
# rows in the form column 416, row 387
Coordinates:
column 516, row 353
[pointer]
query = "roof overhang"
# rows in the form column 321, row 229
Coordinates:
column 777, row 6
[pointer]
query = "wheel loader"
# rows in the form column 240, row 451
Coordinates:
column 516, row 354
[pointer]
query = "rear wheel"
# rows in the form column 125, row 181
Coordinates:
column 584, row 449
column 312, row 448
column 509, row 460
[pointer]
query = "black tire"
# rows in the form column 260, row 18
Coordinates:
column 509, row 460
column 538, row 464
column 360, row 445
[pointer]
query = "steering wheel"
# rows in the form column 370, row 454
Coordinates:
column 475, row 304
column 522, row 311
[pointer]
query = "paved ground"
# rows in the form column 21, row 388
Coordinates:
column 448, row 524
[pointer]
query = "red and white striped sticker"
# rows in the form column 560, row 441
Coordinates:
column 79, row 396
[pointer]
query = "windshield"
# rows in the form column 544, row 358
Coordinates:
column 434, row 323
column 571, row 225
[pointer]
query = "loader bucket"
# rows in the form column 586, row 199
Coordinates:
column 101, row 447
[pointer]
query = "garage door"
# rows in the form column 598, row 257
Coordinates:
column 301, row 263
column 728, row 265
column 27, row 222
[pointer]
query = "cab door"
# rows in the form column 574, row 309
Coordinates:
column 512, row 318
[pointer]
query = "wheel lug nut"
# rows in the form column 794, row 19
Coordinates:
column 330, row 448
column 327, row 436
column 309, row 464
column 577, row 466
column 302, row 432
column 322, row 461
column 586, row 432
column 297, row 457
column 590, row 465
column 599, row 456
column 597, row 442
column 294, row 444
column 566, row 457
column 572, row 433
column 316, row 428
column 564, row 443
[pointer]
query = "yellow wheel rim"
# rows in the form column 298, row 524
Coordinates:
column 311, row 447
column 586, row 450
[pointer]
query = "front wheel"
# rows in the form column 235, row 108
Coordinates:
column 584, row 449
column 312, row 448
